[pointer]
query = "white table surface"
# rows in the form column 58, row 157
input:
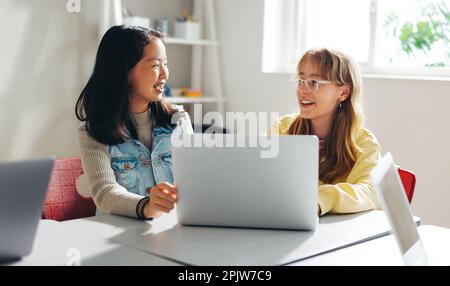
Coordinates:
column 58, row 244
column 385, row 252
column 97, row 241
column 233, row 246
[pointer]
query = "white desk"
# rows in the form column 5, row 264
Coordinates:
column 231, row 246
column 57, row 244
column 384, row 251
column 113, row 240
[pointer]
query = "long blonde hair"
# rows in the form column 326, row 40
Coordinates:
column 341, row 148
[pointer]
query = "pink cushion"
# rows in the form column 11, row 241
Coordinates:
column 63, row 201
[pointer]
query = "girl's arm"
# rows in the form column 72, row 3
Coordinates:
column 357, row 193
column 281, row 126
column 107, row 194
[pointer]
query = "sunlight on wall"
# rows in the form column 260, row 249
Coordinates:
column 44, row 61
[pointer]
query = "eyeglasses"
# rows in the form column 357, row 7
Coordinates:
column 311, row 84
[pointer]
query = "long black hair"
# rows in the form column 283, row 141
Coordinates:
column 103, row 103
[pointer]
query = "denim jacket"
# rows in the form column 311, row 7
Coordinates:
column 137, row 168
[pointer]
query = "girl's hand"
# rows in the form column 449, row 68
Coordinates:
column 162, row 200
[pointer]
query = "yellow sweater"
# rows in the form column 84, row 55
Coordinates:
column 356, row 193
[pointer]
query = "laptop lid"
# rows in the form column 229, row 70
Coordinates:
column 23, row 186
column 238, row 186
column 394, row 202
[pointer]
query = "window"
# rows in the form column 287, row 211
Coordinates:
column 383, row 36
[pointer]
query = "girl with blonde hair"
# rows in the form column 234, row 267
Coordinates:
column 329, row 93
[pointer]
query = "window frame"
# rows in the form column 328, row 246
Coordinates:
column 368, row 69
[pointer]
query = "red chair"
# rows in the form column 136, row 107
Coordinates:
column 63, row 201
column 409, row 182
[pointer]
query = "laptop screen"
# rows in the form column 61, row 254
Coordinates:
column 396, row 203
column 393, row 199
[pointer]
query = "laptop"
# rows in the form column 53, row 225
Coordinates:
column 241, row 186
column 394, row 202
column 23, row 187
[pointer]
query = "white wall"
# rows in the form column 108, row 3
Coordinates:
column 45, row 53
column 411, row 118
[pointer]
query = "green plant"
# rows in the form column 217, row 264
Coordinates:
column 432, row 28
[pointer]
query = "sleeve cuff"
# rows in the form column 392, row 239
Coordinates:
column 140, row 209
column 325, row 200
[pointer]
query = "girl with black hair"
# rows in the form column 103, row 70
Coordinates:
column 124, row 139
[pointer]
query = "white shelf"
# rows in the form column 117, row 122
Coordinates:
column 205, row 63
column 180, row 41
column 200, row 99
